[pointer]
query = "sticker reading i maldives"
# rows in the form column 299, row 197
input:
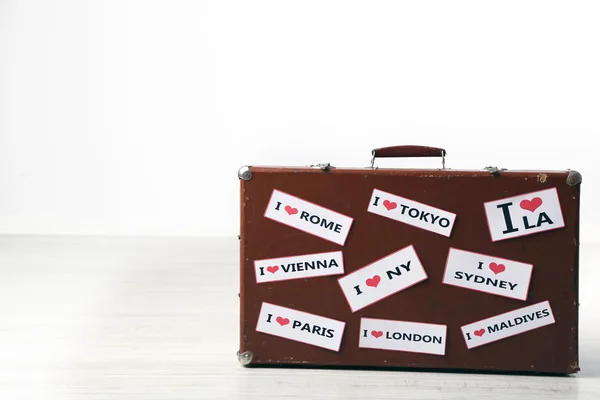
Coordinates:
column 383, row 278
column 300, row 326
column 414, row 337
column 524, row 214
column 308, row 217
column 508, row 324
column 411, row 212
column 487, row 274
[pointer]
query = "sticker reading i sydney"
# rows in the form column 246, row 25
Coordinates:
column 308, row 217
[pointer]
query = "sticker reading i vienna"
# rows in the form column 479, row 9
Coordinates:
column 411, row 212
column 308, row 217
column 524, row 214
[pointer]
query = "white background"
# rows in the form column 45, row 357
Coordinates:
column 132, row 117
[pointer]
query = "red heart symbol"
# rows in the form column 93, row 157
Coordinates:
column 374, row 281
column 291, row 210
column 377, row 334
column 479, row 332
column 282, row 321
column 272, row 269
column 390, row 205
column 497, row 268
column 531, row 205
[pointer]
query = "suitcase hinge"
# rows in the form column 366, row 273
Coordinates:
column 323, row 166
column 494, row 170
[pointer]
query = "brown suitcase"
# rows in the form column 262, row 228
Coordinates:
column 434, row 269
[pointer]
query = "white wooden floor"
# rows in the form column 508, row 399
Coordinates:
column 114, row 318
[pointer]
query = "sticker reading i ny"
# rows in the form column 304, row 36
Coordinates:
column 385, row 277
column 300, row 326
column 524, row 214
column 308, row 217
column 411, row 212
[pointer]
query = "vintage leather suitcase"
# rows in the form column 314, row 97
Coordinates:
column 409, row 268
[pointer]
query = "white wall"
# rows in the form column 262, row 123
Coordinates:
column 133, row 117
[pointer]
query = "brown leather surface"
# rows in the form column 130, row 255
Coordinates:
column 554, row 255
column 408, row 151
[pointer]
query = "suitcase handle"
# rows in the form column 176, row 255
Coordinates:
column 409, row 151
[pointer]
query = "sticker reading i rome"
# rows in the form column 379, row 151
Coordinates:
column 385, row 277
column 308, row 217
column 508, row 324
column 524, row 214
column 300, row 326
column 411, row 212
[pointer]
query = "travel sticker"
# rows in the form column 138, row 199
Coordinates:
column 508, row 324
column 300, row 326
column 524, row 214
column 489, row 274
column 411, row 212
column 308, row 217
column 297, row 267
column 382, row 278
column 414, row 337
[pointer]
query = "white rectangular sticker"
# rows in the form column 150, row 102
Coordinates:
column 411, row 212
column 308, row 217
column 297, row 267
column 300, row 326
column 489, row 274
column 524, row 214
column 508, row 324
column 415, row 337
column 383, row 278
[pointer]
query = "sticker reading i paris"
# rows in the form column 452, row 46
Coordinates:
column 308, row 217
column 300, row 326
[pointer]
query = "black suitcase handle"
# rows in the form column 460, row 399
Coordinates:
column 409, row 151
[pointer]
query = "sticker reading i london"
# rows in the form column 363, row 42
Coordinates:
column 411, row 212
column 308, row 217
column 415, row 337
